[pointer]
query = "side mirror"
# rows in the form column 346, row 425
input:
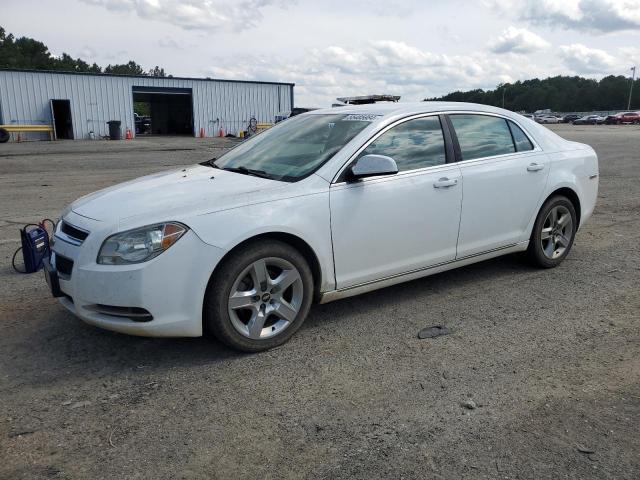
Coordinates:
column 371, row 166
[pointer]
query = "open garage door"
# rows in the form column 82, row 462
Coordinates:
column 163, row 111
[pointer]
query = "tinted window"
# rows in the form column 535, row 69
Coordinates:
column 482, row 136
column 520, row 139
column 414, row 144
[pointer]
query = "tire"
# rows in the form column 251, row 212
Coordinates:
column 4, row 136
column 259, row 297
column 550, row 242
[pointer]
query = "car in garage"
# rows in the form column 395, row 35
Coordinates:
column 324, row 206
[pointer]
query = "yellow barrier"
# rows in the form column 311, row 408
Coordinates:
column 29, row 128
column 264, row 126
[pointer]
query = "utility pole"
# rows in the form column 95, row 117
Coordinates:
column 504, row 88
column 633, row 78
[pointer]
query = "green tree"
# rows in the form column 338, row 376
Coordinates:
column 31, row 54
column 23, row 52
column 129, row 68
column 157, row 72
column 561, row 94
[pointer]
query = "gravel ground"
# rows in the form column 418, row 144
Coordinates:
column 550, row 359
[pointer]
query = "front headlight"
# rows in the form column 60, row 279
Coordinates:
column 141, row 244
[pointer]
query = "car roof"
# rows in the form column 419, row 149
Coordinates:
column 388, row 109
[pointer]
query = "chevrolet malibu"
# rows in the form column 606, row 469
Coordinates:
column 323, row 206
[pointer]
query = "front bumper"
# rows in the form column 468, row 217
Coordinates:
column 171, row 287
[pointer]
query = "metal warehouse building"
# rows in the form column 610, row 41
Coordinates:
column 79, row 105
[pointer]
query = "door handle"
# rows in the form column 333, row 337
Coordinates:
column 444, row 182
column 534, row 167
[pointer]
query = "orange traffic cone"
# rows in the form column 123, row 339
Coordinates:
column 128, row 135
column 202, row 132
column 221, row 133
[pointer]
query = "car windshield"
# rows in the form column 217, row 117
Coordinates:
column 296, row 147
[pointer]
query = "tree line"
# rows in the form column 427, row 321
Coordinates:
column 28, row 53
column 560, row 94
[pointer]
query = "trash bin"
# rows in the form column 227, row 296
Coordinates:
column 114, row 129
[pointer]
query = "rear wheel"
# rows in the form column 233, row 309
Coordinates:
column 259, row 297
column 553, row 232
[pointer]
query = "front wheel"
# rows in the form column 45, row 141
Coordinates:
column 259, row 297
column 553, row 232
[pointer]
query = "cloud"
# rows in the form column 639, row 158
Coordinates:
column 87, row 53
column 518, row 40
column 600, row 16
column 374, row 67
column 202, row 15
column 168, row 42
column 582, row 59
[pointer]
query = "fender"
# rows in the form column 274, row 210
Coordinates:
column 576, row 170
column 305, row 217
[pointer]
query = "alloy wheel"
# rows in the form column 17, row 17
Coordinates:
column 265, row 298
column 557, row 232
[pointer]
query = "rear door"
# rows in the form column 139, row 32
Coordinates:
column 389, row 225
column 504, row 175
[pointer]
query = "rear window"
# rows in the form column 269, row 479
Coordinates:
column 482, row 136
column 521, row 141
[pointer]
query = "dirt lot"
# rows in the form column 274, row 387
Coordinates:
column 551, row 358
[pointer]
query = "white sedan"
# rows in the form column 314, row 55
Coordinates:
column 323, row 206
column 548, row 119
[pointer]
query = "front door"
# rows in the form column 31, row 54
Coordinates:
column 390, row 225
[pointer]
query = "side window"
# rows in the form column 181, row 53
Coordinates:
column 482, row 136
column 413, row 144
column 522, row 142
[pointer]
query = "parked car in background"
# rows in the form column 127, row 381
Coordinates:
column 570, row 118
column 547, row 119
column 628, row 118
column 326, row 205
column 529, row 116
column 612, row 119
column 589, row 120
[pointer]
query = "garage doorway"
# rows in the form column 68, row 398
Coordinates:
column 163, row 111
column 61, row 119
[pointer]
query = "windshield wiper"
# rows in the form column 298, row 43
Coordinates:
column 248, row 171
column 210, row 163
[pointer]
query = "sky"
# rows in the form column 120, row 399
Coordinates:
column 334, row 48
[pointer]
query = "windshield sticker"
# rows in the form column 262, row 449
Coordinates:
column 361, row 117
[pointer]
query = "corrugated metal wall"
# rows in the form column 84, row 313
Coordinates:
column 96, row 99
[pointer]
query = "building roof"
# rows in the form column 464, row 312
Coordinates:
column 195, row 79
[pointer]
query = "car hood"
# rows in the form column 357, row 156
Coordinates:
column 176, row 193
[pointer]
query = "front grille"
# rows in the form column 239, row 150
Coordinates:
column 64, row 265
column 74, row 232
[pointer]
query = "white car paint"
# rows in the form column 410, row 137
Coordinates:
column 548, row 119
column 365, row 235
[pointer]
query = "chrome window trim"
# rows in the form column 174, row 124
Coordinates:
column 536, row 147
column 445, row 167
column 375, row 137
